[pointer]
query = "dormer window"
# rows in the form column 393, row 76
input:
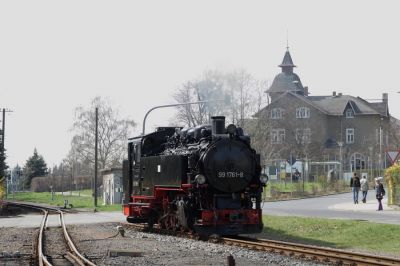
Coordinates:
column 302, row 112
column 349, row 113
column 276, row 113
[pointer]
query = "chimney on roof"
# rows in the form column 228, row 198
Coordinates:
column 305, row 90
column 334, row 93
column 340, row 94
column 385, row 98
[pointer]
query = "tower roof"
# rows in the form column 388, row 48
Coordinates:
column 286, row 80
column 287, row 60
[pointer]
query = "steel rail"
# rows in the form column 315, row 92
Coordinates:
column 42, row 258
column 71, row 244
column 74, row 254
column 323, row 254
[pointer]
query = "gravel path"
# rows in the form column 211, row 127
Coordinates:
column 96, row 240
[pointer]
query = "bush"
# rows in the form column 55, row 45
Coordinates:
column 323, row 182
column 2, row 189
column 392, row 178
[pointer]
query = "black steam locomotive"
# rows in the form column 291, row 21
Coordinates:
column 204, row 179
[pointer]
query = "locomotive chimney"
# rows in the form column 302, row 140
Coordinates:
column 218, row 125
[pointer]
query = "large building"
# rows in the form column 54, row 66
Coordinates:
column 331, row 128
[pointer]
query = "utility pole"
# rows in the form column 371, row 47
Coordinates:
column 62, row 180
column 380, row 146
column 95, row 156
column 340, row 143
column 2, row 150
column 3, row 129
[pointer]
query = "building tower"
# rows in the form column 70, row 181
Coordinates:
column 287, row 80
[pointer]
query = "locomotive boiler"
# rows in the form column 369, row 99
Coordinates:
column 204, row 179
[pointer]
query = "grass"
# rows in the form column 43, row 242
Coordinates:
column 341, row 234
column 84, row 201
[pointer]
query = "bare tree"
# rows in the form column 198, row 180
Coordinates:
column 393, row 131
column 208, row 88
column 113, row 133
column 259, row 126
column 238, row 86
column 244, row 91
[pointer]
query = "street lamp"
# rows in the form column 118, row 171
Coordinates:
column 171, row 105
column 340, row 144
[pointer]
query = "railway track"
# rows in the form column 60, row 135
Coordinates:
column 327, row 255
column 306, row 252
column 61, row 250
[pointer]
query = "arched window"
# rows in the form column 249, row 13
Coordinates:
column 357, row 162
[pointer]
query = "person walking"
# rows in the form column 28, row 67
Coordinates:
column 364, row 188
column 380, row 192
column 355, row 186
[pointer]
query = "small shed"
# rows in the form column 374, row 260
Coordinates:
column 112, row 186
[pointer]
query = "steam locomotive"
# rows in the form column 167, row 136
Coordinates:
column 204, row 179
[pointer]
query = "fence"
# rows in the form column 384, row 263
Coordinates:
column 59, row 183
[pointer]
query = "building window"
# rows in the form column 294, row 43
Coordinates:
column 357, row 162
column 302, row 112
column 277, row 136
column 276, row 113
column 349, row 113
column 349, row 135
column 303, row 136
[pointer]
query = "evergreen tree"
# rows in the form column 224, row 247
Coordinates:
column 35, row 166
column 3, row 164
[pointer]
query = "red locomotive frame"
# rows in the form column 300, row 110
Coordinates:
column 240, row 220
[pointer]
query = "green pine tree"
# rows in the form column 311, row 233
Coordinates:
column 3, row 168
column 3, row 164
column 35, row 166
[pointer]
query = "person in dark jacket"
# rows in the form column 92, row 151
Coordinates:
column 355, row 187
column 380, row 192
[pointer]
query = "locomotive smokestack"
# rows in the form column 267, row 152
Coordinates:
column 218, row 125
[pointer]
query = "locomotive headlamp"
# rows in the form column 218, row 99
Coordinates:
column 231, row 129
column 264, row 178
column 200, row 179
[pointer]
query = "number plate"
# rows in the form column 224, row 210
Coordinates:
column 230, row 174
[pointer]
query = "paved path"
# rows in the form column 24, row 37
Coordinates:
column 33, row 220
column 339, row 206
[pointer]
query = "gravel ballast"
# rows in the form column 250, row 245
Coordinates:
column 17, row 245
column 96, row 240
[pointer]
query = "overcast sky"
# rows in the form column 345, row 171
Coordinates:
column 56, row 55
